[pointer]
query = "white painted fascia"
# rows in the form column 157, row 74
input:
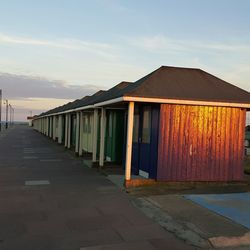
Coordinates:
column 68, row 111
column 112, row 101
column 185, row 102
column 172, row 101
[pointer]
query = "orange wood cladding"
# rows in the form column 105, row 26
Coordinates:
column 200, row 143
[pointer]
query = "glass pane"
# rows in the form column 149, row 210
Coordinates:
column 136, row 128
column 136, row 125
column 146, row 126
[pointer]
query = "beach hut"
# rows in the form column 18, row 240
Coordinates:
column 109, row 127
column 183, row 124
column 102, row 131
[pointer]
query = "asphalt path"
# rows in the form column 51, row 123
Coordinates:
column 50, row 200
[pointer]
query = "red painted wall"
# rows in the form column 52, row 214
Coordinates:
column 200, row 143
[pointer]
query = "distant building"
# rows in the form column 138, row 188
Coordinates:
column 30, row 120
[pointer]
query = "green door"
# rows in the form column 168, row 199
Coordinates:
column 114, row 135
column 73, row 130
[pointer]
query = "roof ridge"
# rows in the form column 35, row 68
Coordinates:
column 177, row 67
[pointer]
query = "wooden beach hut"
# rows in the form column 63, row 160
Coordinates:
column 183, row 124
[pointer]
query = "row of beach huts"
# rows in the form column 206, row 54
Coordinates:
column 174, row 124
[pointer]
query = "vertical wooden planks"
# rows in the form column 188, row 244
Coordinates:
column 199, row 143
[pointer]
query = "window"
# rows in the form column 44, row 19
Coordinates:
column 136, row 125
column 146, row 125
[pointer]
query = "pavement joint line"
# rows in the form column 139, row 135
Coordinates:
column 50, row 160
column 30, row 157
column 37, row 182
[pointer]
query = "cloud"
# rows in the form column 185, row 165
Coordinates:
column 18, row 87
column 100, row 49
column 26, row 93
column 160, row 44
column 38, row 103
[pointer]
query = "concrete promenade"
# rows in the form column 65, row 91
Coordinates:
column 50, row 200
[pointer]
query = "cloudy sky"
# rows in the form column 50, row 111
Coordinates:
column 54, row 51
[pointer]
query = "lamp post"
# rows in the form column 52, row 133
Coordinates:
column 11, row 115
column 7, row 106
column 10, row 122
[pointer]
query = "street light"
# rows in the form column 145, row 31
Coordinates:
column 10, row 123
column 7, row 106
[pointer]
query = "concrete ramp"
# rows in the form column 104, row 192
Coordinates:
column 235, row 207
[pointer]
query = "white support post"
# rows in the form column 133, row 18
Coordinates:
column 66, row 131
column 81, row 134
column 102, row 141
column 77, row 132
column 95, row 131
column 69, row 131
column 47, row 126
column 50, row 126
column 130, row 123
column 60, row 129
column 54, row 128
column 44, row 126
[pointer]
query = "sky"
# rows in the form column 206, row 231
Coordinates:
column 55, row 51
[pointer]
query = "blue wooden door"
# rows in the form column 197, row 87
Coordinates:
column 145, row 140
column 135, row 146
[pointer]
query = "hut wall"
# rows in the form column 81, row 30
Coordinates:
column 200, row 143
